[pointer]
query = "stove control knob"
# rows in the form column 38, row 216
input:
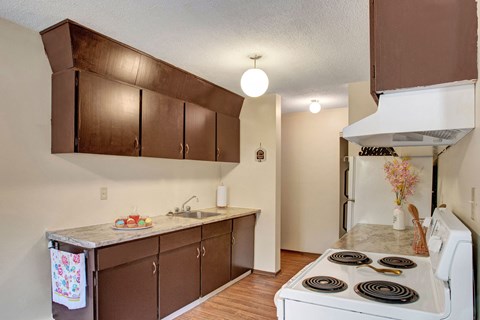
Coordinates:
column 435, row 244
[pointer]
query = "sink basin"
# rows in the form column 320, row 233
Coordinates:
column 197, row 214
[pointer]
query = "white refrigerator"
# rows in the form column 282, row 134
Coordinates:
column 367, row 196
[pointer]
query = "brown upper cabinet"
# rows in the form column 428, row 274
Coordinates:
column 71, row 45
column 199, row 133
column 228, row 138
column 421, row 43
column 91, row 114
column 162, row 126
column 98, row 105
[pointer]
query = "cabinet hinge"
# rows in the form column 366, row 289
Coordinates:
column 76, row 81
column 373, row 72
column 76, row 142
column 95, row 281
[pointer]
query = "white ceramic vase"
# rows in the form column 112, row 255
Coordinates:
column 398, row 218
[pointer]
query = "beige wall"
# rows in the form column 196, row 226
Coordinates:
column 258, row 183
column 40, row 191
column 459, row 178
column 310, row 180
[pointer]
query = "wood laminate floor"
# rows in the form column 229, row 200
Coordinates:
column 252, row 297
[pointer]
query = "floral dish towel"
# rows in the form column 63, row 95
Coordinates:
column 68, row 279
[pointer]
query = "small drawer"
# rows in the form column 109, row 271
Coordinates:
column 216, row 229
column 180, row 239
column 247, row 222
column 116, row 255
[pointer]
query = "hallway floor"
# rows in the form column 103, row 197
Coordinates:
column 252, row 297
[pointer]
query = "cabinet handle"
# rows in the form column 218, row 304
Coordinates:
column 198, row 252
column 233, row 240
column 181, row 148
column 203, row 251
column 154, row 267
column 187, row 148
column 218, row 153
column 135, row 143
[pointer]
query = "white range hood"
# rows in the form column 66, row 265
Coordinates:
column 419, row 117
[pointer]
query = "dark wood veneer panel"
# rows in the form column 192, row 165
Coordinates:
column 63, row 112
column 179, row 280
column 109, row 116
column 228, row 138
column 243, row 245
column 115, row 255
column 162, row 126
column 96, row 53
column 199, row 133
column 180, row 238
column 420, row 43
column 160, row 77
column 204, row 93
column 128, row 291
column 216, row 228
column 58, row 47
column 215, row 263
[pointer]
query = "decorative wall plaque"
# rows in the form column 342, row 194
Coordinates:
column 260, row 154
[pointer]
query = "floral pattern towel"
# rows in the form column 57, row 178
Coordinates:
column 68, row 279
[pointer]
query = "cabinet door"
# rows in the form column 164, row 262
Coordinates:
column 128, row 291
column 215, row 263
column 243, row 236
column 108, row 116
column 228, row 138
column 162, row 126
column 199, row 133
column 179, row 278
column 420, row 43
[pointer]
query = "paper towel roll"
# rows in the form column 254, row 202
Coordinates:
column 221, row 196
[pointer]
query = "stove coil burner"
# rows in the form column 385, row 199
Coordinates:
column 324, row 284
column 386, row 291
column 397, row 262
column 349, row 258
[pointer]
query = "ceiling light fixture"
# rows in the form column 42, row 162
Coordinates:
column 315, row 106
column 254, row 81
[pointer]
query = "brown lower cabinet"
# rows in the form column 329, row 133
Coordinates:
column 215, row 263
column 151, row 278
column 243, row 241
column 179, row 262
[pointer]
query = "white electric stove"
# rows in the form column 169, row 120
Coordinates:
column 435, row 287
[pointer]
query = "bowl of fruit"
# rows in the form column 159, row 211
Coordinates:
column 133, row 222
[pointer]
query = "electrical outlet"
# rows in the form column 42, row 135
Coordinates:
column 103, row 193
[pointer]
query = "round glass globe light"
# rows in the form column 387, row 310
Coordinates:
column 315, row 107
column 254, row 82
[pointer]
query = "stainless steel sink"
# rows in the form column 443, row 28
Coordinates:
column 197, row 214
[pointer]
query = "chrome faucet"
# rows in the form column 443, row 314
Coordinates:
column 183, row 204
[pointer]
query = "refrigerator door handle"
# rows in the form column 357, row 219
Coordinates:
column 345, row 182
column 344, row 218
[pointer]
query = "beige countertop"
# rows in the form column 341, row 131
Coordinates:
column 103, row 234
column 377, row 238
